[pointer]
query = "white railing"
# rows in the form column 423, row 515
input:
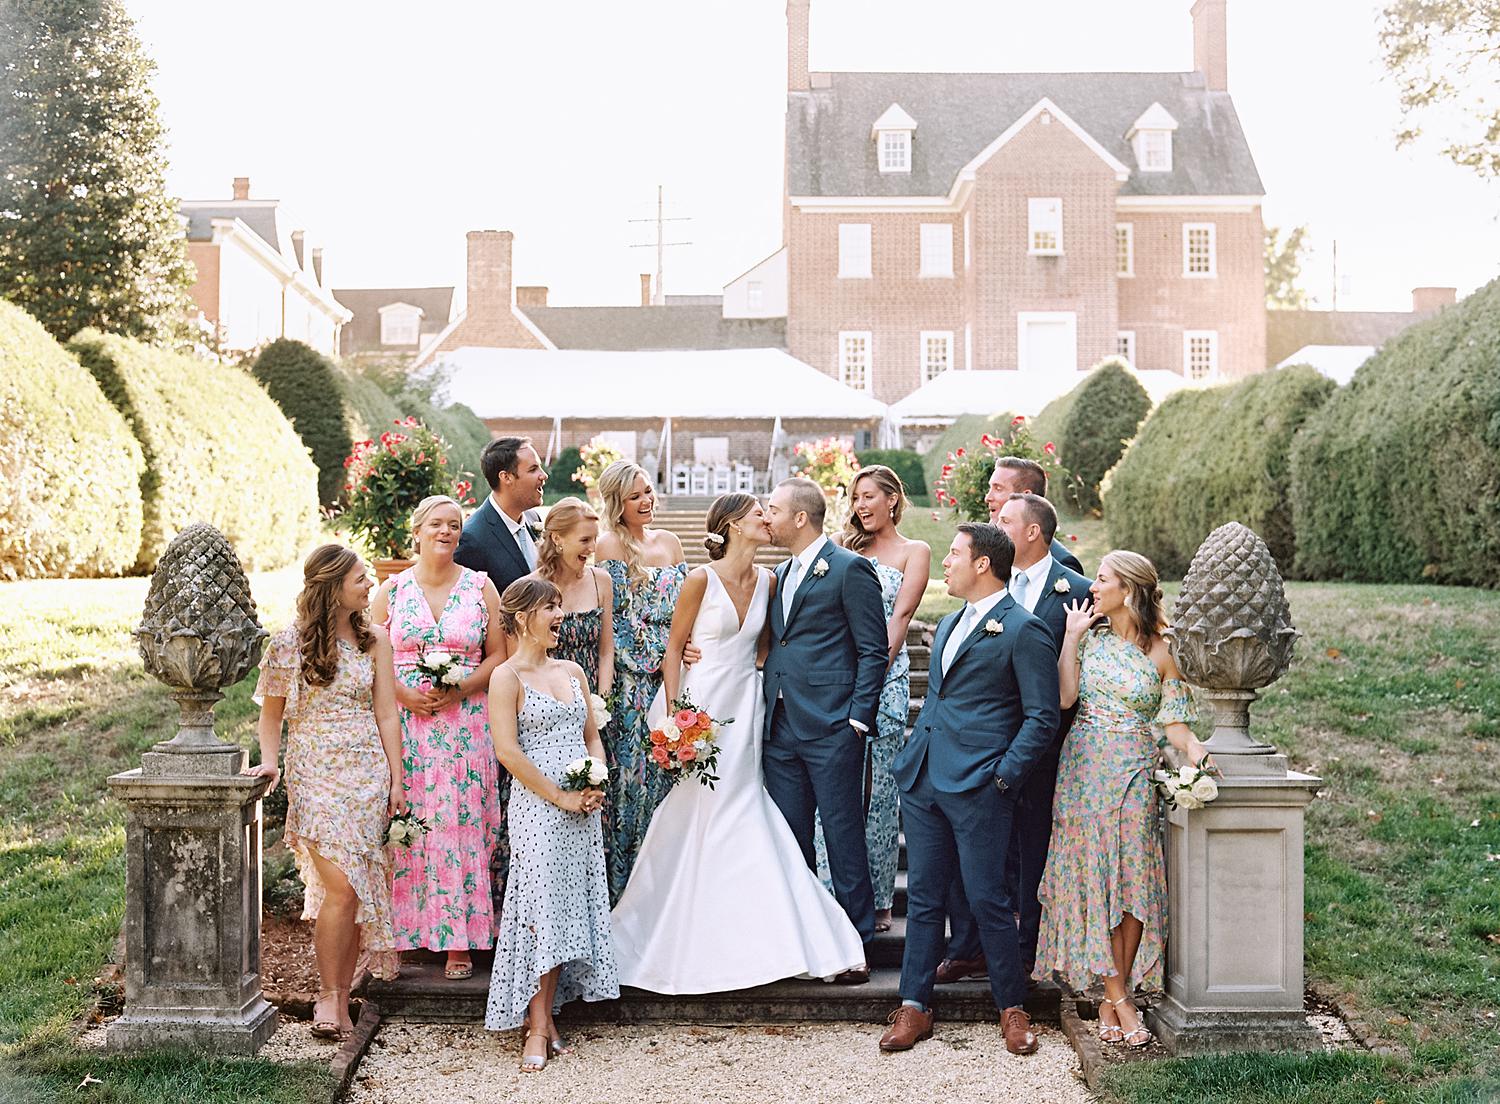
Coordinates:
column 712, row 479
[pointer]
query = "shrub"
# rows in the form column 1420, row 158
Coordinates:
column 371, row 410
column 1397, row 478
column 964, row 480
column 1211, row 456
column 905, row 463
column 461, row 428
column 216, row 450
column 560, row 475
column 593, row 458
column 1107, row 409
column 388, row 478
column 313, row 394
column 964, row 433
column 70, row 497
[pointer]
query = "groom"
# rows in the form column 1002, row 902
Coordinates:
column 822, row 681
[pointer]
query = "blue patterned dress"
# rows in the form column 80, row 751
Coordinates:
column 883, row 820
column 643, row 621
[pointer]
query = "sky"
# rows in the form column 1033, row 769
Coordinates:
column 389, row 130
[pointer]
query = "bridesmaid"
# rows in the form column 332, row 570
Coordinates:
column 877, row 499
column 442, row 882
column 646, row 567
column 329, row 677
column 1103, row 891
column 554, row 943
column 585, row 635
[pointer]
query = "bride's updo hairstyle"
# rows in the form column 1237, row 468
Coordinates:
column 523, row 598
column 615, row 484
column 726, row 510
column 1142, row 586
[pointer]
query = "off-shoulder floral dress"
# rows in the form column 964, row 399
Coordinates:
column 1105, row 857
column 338, row 785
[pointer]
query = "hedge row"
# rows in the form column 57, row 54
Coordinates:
column 1107, row 410
column 70, row 499
column 216, row 450
column 906, row 464
column 964, row 433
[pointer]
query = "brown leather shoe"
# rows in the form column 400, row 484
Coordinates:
column 857, row 976
column 957, row 969
column 1015, row 1024
column 909, row 1026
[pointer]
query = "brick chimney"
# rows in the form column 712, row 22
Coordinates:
column 242, row 187
column 798, row 13
column 1211, row 43
column 299, row 238
column 317, row 263
column 531, row 297
column 1425, row 299
column 645, row 289
column 489, row 273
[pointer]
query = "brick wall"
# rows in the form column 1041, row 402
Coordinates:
column 489, row 319
column 205, row 289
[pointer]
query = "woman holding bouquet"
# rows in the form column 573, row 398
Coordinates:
column 437, row 610
column 554, row 943
column 585, row 634
column 1103, row 891
column 329, row 678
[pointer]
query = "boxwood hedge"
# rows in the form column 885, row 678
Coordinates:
column 905, row 463
column 1107, row 409
column 216, row 448
column 70, row 498
column 314, row 396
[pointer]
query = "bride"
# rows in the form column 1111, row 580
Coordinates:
column 720, row 897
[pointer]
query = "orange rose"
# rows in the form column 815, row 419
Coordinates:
column 658, row 737
column 704, row 720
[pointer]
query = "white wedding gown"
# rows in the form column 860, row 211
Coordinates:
column 720, row 897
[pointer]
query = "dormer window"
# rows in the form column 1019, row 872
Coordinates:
column 893, row 134
column 1151, row 138
column 400, row 324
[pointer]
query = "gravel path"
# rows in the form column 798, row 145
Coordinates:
column 666, row 1064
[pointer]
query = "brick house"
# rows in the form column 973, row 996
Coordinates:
column 1022, row 222
column 393, row 322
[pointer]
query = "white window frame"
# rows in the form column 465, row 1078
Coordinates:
column 1125, row 346
column 894, row 149
column 1212, row 337
column 935, row 249
column 1129, row 243
column 396, row 324
column 1041, row 220
column 968, row 232
column 856, row 251
column 755, row 294
column 1024, row 317
column 1144, row 150
column 1213, row 250
column 844, row 359
column 945, row 337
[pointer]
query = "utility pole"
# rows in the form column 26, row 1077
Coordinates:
column 658, row 296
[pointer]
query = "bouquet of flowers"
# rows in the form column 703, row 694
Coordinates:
column 405, row 829
column 587, row 773
column 600, row 708
column 1188, row 787
column 685, row 746
column 441, row 668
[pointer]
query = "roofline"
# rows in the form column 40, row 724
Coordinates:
column 1188, row 202
column 1044, row 104
column 757, row 264
column 835, row 205
column 532, row 327
column 276, row 262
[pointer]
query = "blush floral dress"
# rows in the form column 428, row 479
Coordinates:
column 1105, row 857
column 443, row 881
column 337, row 783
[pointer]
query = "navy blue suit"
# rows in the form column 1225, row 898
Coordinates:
column 1060, row 554
column 825, row 668
column 486, row 545
column 993, row 715
column 1032, row 831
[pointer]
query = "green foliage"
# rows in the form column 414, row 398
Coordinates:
column 905, row 463
column 372, row 410
column 964, row 479
column 70, row 499
column 1053, row 419
column 1284, row 268
column 88, row 234
column 964, row 434
column 311, row 393
column 1211, row 456
column 216, row 450
column 462, row 429
column 388, row 478
column 1107, row 410
column 1398, row 477
column 560, row 474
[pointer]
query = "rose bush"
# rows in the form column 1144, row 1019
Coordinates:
column 964, row 478
column 386, row 480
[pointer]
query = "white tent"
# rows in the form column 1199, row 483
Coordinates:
column 1337, row 362
column 952, row 394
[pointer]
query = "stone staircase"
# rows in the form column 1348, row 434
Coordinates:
column 690, row 523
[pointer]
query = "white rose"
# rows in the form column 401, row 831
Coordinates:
column 671, row 731
column 1186, row 800
column 700, row 745
column 1205, row 789
column 437, row 659
column 453, row 676
column 598, row 772
column 1186, row 774
column 600, row 709
column 578, row 765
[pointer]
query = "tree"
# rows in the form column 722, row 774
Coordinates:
column 1443, row 56
column 1284, row 268
column 88, row 235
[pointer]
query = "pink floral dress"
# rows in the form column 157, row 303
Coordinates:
column 442, row 882
column 1105, row 857
column 338, row 785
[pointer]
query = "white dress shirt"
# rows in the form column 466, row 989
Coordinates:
column 804, row 563
column 1036, row 580
column 972, row 617
column 519, row 533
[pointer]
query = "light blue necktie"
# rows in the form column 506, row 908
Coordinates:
column 1018, row 588
column 790, row 588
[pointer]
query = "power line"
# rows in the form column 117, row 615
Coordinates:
column 658, row 296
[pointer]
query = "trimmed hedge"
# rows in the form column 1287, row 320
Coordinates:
column 313, row 395
column 216, row 450
column 905, row 463
column 560, row 474
column 964, row 433
column 1107, row 409
column 371, row 410
column 1211, row 456
column 70, row 497
column 465, row 433
column 1397, row 478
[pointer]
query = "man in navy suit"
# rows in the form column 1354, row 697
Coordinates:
column 823, row 676
column 990, row 714
column 1018, row 475
column 500, row 537
column 1044, row 587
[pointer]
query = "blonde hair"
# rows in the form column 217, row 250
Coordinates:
column 615, row 484
column 323, row 575
column 522, row 598
column 854, row 537
column 424, row 511
column 1142, row 585
column 562, row 518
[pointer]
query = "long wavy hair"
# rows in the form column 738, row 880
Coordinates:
column 855, row 537
column 615, row 484
column 324, row 573
column 1142, row 587
column 562, row 518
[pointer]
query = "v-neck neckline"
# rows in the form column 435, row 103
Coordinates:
column 437, row 618
column 753, row 592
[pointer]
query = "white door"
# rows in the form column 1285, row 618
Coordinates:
column 622, row 439
column 1048, row 342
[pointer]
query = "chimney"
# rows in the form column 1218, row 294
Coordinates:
column 531, row 297
column 298, row 238
column 489, row 273
column 645, row 289
column 1427, row 299
column 317, row 262
column 1211, row 43
column 797, row 17
column 242, row 187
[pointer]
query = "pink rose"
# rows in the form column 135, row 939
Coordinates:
column 660, row 755
column 687, row 753
column 685, row 718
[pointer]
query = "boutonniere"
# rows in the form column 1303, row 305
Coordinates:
column 535, row 530
column 820, row 568
column 1062, row 586
column 993, row 627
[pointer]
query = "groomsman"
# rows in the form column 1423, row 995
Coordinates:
column 990, row 714
column 1043, row 587
column 1018, row 475
column 500, row 537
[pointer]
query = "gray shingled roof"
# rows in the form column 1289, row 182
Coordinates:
column 260, row 217
column 1290, row 330
column 362, row 333
column 674, row 326
column 830, row 151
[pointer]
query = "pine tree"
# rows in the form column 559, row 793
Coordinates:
column 88, row 235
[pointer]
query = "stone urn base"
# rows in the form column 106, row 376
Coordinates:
column 384, row 569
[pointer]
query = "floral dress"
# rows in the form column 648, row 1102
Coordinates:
column 883, row 816
column 442, row 882
column 578, row 641
column 643, row 620
column 1105, row 858
column 338, row 783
